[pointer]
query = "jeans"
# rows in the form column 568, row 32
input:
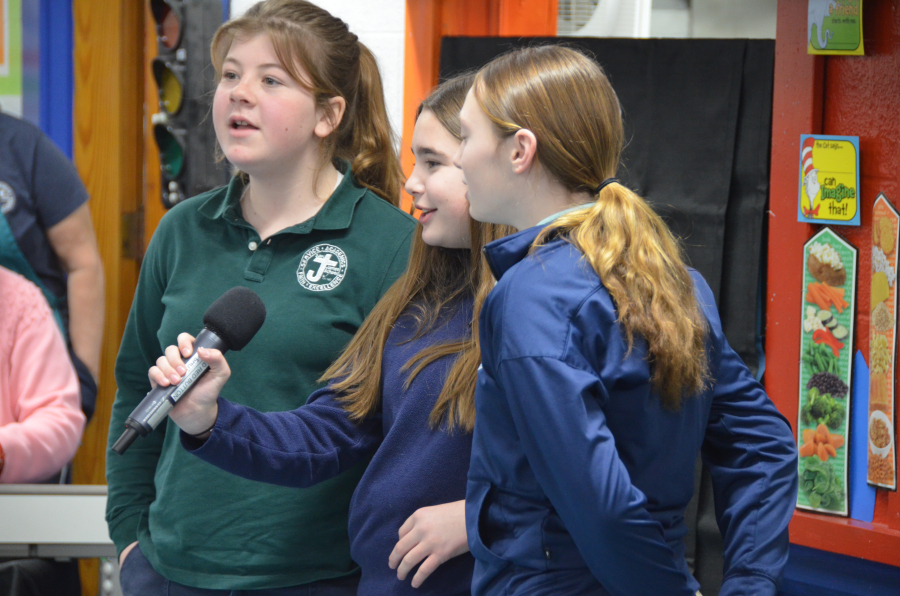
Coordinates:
column 138, row 578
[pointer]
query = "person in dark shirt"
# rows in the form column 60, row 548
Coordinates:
column 46, row 235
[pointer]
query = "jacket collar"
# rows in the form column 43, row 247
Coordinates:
column 504, row 253
column 335, row 214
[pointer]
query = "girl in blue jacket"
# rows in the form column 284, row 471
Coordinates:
column 402, row 390
column 605, row 369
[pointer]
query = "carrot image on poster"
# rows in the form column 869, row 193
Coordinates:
column 829, row 180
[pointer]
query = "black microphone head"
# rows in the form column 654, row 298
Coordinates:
column 235, row 317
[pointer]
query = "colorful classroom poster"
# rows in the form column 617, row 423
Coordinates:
column 834, row 27
column 882, row 466
column 826, row 340
column 829, row 180
column 11, row 56
column 4, row 38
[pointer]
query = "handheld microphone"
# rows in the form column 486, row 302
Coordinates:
column 228, row 324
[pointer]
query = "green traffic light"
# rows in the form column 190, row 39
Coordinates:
column 171, row 151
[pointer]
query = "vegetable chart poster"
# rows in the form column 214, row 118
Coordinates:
column 829, row 296
column 882, row 468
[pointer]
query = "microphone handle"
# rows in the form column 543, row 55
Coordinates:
column 157, row 404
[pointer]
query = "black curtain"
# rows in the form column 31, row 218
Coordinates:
column 697, row 124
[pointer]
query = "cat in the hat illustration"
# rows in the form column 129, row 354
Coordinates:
column 811, row 184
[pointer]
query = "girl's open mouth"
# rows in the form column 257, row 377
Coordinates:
column 425, row 215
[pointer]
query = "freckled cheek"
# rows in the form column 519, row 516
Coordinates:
column 220, row 115
column 220, row 124
column 218, row 110
column 220, row 99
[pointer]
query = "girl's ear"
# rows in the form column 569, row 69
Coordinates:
column 330, row 118
column 524, row 149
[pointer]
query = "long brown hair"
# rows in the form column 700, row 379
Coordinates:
column 435, row 280
column 565, row 99
column 337, row 65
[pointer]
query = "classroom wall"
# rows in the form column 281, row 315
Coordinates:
column 835, row 95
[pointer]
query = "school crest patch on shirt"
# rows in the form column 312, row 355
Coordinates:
column 7, row 197
column 322, row 268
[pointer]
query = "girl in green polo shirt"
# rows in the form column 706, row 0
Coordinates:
column 310, row 225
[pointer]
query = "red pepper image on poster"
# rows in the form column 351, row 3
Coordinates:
column 823, row 336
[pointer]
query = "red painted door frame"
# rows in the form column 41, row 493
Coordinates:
column 837, row 95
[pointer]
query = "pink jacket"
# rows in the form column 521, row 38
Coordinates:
column 40, row 414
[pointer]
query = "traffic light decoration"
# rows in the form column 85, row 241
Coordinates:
column 186, row 82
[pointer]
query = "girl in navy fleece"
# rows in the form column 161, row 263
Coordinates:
column 402, row 390
column 605, row 369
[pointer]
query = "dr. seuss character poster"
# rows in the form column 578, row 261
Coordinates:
column 829, row 180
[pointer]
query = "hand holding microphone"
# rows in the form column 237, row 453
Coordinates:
column 196, row 412
column 229, row 323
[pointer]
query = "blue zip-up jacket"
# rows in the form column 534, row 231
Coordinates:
column 579, row 477
column 414, row 465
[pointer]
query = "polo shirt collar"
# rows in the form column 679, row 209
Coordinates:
column 335, row 214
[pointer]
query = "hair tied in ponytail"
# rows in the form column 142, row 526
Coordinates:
column 604, row 184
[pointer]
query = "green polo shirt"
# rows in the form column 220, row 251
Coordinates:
column 198, row 525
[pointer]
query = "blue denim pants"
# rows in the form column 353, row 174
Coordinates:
column 138, row 578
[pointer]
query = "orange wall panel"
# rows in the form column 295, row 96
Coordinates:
column 472, row 18
column 429, row 20
column 521, row 18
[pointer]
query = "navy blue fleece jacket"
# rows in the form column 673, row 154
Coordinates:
column 413, row 466
column 580, row 476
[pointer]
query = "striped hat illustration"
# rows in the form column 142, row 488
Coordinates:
column 810, row 177
column 806, row 156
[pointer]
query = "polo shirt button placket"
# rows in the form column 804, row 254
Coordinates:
column 261, row 254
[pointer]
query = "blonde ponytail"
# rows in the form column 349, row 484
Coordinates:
column 641, row 265
column 564, row 98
